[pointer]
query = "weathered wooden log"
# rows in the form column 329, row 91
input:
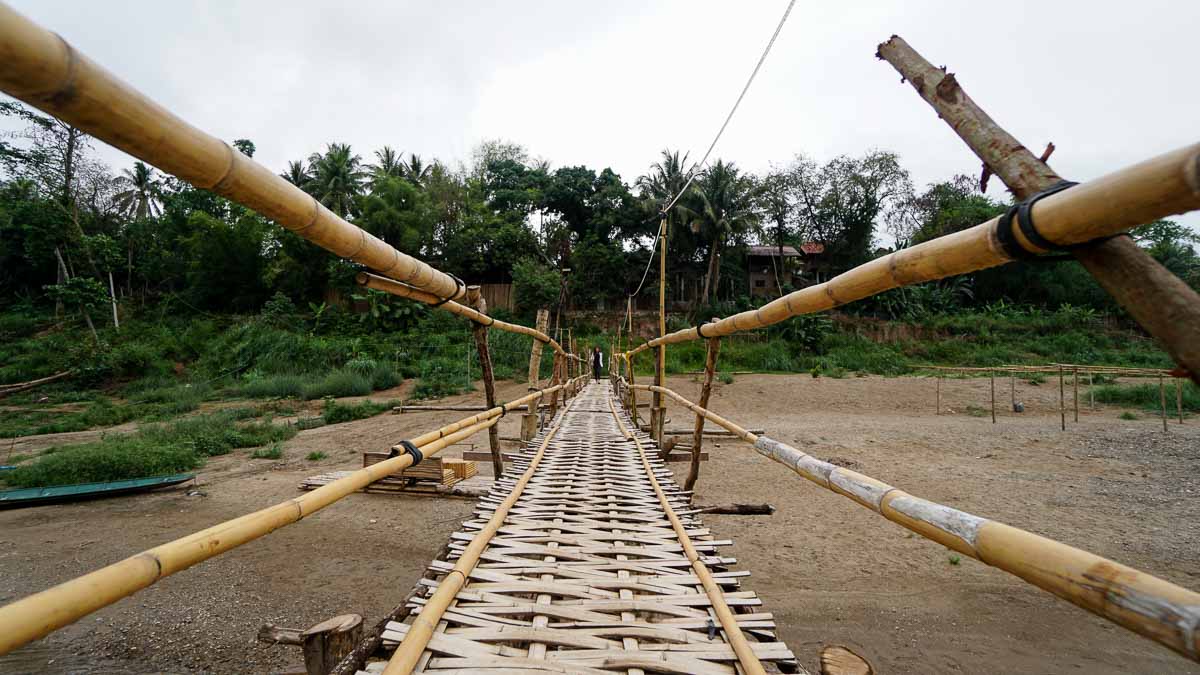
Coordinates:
column 8, row 389
column 326, row 643
column 1160, row 302
column 837, row 660
column 710, row 366
column 475, row 298
column 278, row 635
column 737, row 509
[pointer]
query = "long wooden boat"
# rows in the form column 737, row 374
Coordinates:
column 69, row 493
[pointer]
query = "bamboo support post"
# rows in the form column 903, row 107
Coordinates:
column 633, row 404
column 1012, row 390
column 1062, row 399
column 1160, row 302
column 1152, row 607
column 660, row 364
column 1092, row 392
column 1075, row 391
column 529, row 420
column 1179, row 399
column 937, row 401
column 992, row 378
column 475, row 298
column 1162, row 399
column 39, row 614
column 710, row 366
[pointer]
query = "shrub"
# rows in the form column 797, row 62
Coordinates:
column 1127, row 416
column 275, row 386
column 725, row 378
column 336, row 413
column 315, row 456
column 339, row 383
column 274, row 451
column 1146, row 396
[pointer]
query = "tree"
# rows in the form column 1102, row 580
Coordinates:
column 841, row 203
column 721, row 207
column 416, row 171
column 389, row 164
column 337, row 177
column 141, row 197
column 297, row 174
column 944, row 208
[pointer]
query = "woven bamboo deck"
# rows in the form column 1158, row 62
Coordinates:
column 587, row 575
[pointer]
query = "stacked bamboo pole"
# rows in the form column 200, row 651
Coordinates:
column 37, row 615
column 1140, row 602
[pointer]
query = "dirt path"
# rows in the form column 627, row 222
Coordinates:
column 831, row 571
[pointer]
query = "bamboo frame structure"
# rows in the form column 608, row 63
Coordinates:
column 1152, row 607
column 1156, row 188
column 1160, row 301
column 39, row 614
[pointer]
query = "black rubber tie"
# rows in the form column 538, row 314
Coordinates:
column 1023, row 211
column 409, row 449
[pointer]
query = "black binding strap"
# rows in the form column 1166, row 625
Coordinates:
column 700, row 329
column 409, row 449
column 456, row 294
column 1023, row 211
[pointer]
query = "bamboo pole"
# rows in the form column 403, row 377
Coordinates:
column 1012, row 390
column 475, row 298
column 43, row 70
column 39, row 614
column 1140, row 602
column 405, row 291
column 1092, row 392
column 657, row 412
column 710, row 366
column 1075, row 391
column 937, row 404
column 1062, row 400
column 733, row 633
column 529, row 420
column 404, row 659
column 992, row 377
column 1179, row 399
column 1162, row 399
column 1160, row 302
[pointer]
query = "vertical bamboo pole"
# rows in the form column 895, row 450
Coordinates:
column 1179, row 398
column 1062, row 398
column 992, row 377
column 1162, row 399
column 658, row 410
column 633, row 409
column 476, row 301
column 937, row 397
column 1091, row 391
column 710, row 367
column 1075, row 391
column 529, row 419
column 1012, row 388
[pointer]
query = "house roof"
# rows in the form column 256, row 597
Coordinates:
column 773, row 251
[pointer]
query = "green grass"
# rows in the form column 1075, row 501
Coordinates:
column 336, row 413
column 274, row 451
column 101, row 412
column 1127, row 416
column 976, row 411
column 1146, row 396
column 725, row 378
column 315, row 456
column 153, row 450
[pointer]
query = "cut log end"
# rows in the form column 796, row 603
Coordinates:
column 836, row 660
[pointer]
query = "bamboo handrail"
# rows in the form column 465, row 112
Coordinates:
column 405, row 658
column 37, row 615
column 1152, row 607
column 733, row 632
column 403, row 290
column 1156, row 188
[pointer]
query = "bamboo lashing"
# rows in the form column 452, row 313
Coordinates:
column 733, row 633
column 37, row 615
column 1152, row 607
column 1156, row 188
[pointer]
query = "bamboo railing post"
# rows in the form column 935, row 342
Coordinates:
column 992, row 377
column 633, row 407
column 710, row 366
column 1075, row 391
column 1162, row 399
column 476, row 301
column 1179, row 399
column 1012, row 389
column 1062, row 398
column 937, row 400
column 529, row 418
column 1091, row 391
column 658, row 410
column 1160, row 302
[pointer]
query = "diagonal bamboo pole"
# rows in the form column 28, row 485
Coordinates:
column 1161, row 302
column 1162, row 186
column 1143, row 603
column 489, row 379
column 710, row 366
column 39, row 614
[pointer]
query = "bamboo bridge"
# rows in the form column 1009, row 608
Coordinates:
column 585, row 556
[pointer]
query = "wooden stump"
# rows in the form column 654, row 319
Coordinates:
column 327, row 642
column 837, row 660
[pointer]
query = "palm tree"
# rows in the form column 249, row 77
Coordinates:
column 415, row 170
column 665, row 180
column 141, row 196
column 297, row 174
column 721, row 207
column 337, row 178
column 390, row 165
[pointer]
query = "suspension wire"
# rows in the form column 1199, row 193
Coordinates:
column 703, row 160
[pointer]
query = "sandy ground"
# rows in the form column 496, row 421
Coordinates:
column 831, row 571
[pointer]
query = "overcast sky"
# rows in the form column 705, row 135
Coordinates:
column 610, row 84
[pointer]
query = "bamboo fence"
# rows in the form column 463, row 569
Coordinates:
column 1143, row 603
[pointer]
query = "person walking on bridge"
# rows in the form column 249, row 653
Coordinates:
column 597, row 363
